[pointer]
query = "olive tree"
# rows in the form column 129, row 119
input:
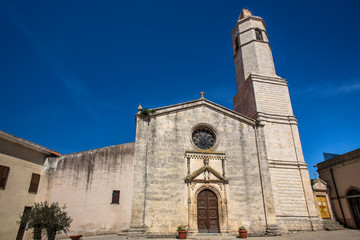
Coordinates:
column 48, row 217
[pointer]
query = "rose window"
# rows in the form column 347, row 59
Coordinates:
column 203, row 138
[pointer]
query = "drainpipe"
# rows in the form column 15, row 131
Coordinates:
column 338, row 198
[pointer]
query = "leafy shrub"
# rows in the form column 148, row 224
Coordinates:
column 46, row 216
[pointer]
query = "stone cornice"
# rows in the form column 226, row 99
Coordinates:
column 267, row 79
column 276, row 118
column 253, row 77
column 342, row 159
column 287, row 164
column 247, row 19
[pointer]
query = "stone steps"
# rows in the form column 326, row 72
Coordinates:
column 209, row 237
column 332, row 225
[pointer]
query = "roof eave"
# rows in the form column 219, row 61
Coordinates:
column 25, row 143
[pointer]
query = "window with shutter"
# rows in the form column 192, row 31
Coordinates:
column 4, row 173
column 34, row 183
column 116, row 197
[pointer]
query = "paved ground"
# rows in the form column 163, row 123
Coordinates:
column 320, row 235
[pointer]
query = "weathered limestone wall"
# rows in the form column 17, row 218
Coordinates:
column 279, row 142
column 84, row 182
column 295, row 206
column 161, row 168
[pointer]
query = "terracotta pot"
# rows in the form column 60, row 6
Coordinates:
column 75, row 237
column 243, row 233
column 182, row 234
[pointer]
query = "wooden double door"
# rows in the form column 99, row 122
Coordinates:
column 207, row 212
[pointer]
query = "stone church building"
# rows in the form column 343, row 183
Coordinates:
column 197, row 163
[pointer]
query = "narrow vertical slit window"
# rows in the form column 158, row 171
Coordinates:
column 115, row 197
column 236, row 44
column 258, row 34
column 4, row 173
column 34, row 183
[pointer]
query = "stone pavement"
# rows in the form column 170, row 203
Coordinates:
column 346, row 234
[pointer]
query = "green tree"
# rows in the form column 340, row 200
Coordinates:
column 46, row 216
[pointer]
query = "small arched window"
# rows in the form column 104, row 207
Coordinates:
column 353, row 193
column 258, row 35
column 354, row 200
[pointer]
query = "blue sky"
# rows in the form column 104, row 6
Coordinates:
column 74, row 72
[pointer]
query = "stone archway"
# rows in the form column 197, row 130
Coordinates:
column 211, row 177
column 207, row 212
column 220, row 193
column 353, row 197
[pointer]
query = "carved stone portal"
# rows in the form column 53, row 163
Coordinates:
column 206, row 174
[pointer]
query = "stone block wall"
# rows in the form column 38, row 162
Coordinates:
column 272, row 97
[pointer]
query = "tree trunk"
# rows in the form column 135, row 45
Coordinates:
column 37, row 233
column 51, row 235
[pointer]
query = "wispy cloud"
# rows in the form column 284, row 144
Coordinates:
column 86, row 100
column 326, row 89
column 348, row 88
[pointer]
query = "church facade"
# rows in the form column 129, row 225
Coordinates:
column 197, row 163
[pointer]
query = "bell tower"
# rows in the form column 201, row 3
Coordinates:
column 264, row 96
column 260, row 92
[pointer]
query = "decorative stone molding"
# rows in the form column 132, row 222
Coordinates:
column 203, row 155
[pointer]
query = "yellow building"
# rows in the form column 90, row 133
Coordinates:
column 341, row 173
column 20, row 170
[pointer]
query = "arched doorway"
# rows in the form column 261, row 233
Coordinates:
column 354, row 200
column 207, row 212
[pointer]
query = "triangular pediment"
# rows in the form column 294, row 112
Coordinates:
column 202, row 103
column 319, row 185
column 206, row 174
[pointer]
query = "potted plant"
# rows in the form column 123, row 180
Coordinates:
column 75, row 237
column 242, row 232
column 181, row 229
